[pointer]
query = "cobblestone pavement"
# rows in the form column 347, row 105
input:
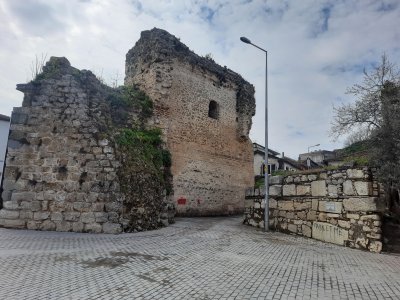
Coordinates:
column 197, row 258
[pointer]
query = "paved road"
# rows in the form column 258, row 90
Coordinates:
column 198, row 258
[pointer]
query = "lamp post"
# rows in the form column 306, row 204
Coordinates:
column 266, row 200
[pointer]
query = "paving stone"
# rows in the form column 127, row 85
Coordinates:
column 196, row 258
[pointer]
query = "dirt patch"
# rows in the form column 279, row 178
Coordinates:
column 107, row 262
column 139, row 255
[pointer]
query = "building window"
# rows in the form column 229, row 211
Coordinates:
column 271, row 168
column 213, row 110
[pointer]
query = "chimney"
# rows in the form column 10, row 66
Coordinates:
column 283, row 154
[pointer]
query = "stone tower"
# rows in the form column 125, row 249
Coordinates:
column 205, row 113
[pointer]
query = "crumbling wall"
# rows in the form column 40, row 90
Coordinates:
column 69, row 165
column 212, row 158
column 340, row 206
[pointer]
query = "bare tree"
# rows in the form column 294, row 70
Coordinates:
column 365, row 114
column 37, row 65
column 115, row 80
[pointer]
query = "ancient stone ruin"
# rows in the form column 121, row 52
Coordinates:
column 205, row 113
column 343, row 207
column 85, row 157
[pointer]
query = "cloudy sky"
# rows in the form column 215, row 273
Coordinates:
column 315, row 49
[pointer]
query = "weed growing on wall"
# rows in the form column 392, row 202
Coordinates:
column 145, row 175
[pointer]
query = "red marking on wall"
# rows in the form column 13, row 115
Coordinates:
column 198, row 201
column 182, row 201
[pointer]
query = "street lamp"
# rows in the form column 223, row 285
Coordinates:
column 266, row 200
column 308, row 156
column 308, row 151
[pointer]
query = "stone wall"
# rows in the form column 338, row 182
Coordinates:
column 64, row 168
column 340, row 206
column 212, row 159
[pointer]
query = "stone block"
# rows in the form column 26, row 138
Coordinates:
column 367, row 204
column 112, row 228
column 93, row 228
column 113, row 217
column 302, row 190
column 248, row 203
column 290, row 215
column 9, row 214
column 77, row 227
column 45, row 205
column 281, row 213
column 322, row 217
column 333, row 221
column 292, row 228
column 353, row 216
column 370, row 217
column 330, row 206
column 312, row 215
column 275, row 190
column 306, row 230
column 87, row 217
column 314, row 204
column 48, row 225
column 323, row 176
column 10, row 205
column 354, row 173
column 289, row 190
column 63, row 226
column 362, row 242
column 72, row 216
column 32, row 225
column 41, row 215
column 56, row 216
column 26, row 215
column 275, row 180
column 344, row 224
column 318, row 188
column 329, row 233
column 112, row 207
column 332, row 190
column 301, row 205
column 301, row 215
column 14, row 223
column 335, row 216
column 363, row 188
column 348, row 188
column 375, row 246
column 36, row 206
column 312, row 177
column 288, row 179
column 102, row 217
column 23, row 196
column 273, row 203
column 285, row 205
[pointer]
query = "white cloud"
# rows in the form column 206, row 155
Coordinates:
column 316, row 49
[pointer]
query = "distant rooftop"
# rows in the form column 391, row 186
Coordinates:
column 261, row 149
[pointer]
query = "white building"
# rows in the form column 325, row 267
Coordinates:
column 4, row 129
column 274, row 162
column 320, row 157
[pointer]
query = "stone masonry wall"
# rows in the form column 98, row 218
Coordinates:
column 339, row 206
column 63, row 163
column 212, row 159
